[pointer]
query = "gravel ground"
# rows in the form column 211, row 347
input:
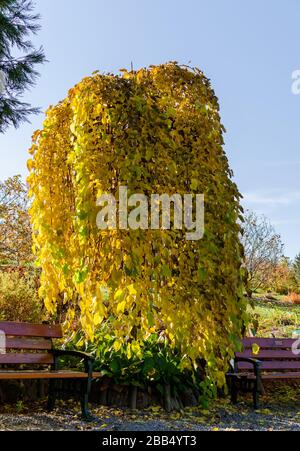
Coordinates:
column 220, row 417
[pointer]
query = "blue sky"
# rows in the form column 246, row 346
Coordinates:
column 249, row 51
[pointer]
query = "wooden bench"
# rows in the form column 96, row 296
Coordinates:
column 275, row 360
column 29, row 347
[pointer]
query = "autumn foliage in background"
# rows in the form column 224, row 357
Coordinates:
column 19, row 278
column 15, row 228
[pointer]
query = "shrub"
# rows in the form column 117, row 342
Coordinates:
column 19, row 299
column 156, row 366
column 293, row 297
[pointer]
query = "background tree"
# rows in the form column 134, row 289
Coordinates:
column 296, row 266
column 15, row 229
column 263, row 250
column 18, row 59
column 283, row 280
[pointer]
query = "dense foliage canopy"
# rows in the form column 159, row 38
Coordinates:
column 155, row 130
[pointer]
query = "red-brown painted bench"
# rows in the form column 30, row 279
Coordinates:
column 27, row 352
column 275, row 360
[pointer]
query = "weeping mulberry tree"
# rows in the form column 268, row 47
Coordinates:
column 155, row 130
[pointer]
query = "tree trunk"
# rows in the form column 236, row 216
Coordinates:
column 103, row 397
column 168, row 404
column 132, row 397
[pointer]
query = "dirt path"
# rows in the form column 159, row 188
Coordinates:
column 221, row 417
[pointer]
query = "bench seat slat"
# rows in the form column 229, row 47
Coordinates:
column 9, row 375
column 31, row 330
column 276, row 375
column 272, row 365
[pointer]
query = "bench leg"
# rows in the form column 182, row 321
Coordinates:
column 255, row 399
column 257, row 389
column 233, row 391
column 51, row 396
column 85, row 392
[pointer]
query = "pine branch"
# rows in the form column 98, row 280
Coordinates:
column 17, row 23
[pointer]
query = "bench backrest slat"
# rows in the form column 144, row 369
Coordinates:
column 31, row 330
column 268, row 343
column 22, row 358
column 269, row 354
column 29, row 343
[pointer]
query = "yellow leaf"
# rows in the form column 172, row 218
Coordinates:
column 136, row 349
column 255, row 349
column 131, row 290
column 30, row 165
column 118, row 294
column 265, row 411
column 121, row 307
column 155, row 408
column 98, row 319
column 117, row 345
column 175, row 416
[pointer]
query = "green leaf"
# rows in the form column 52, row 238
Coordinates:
column 82, row 215
column 150, row 318
column 66, row 268
column 194, row 184
column 80, row 276
column 202, row 274
column 165, row 271
column 115, row 366
column 84, row 232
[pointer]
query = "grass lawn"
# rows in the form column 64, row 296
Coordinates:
column 274, row 317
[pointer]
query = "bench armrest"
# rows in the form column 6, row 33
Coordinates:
column 88, row 359
column 256, row 368
column 256, row 364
